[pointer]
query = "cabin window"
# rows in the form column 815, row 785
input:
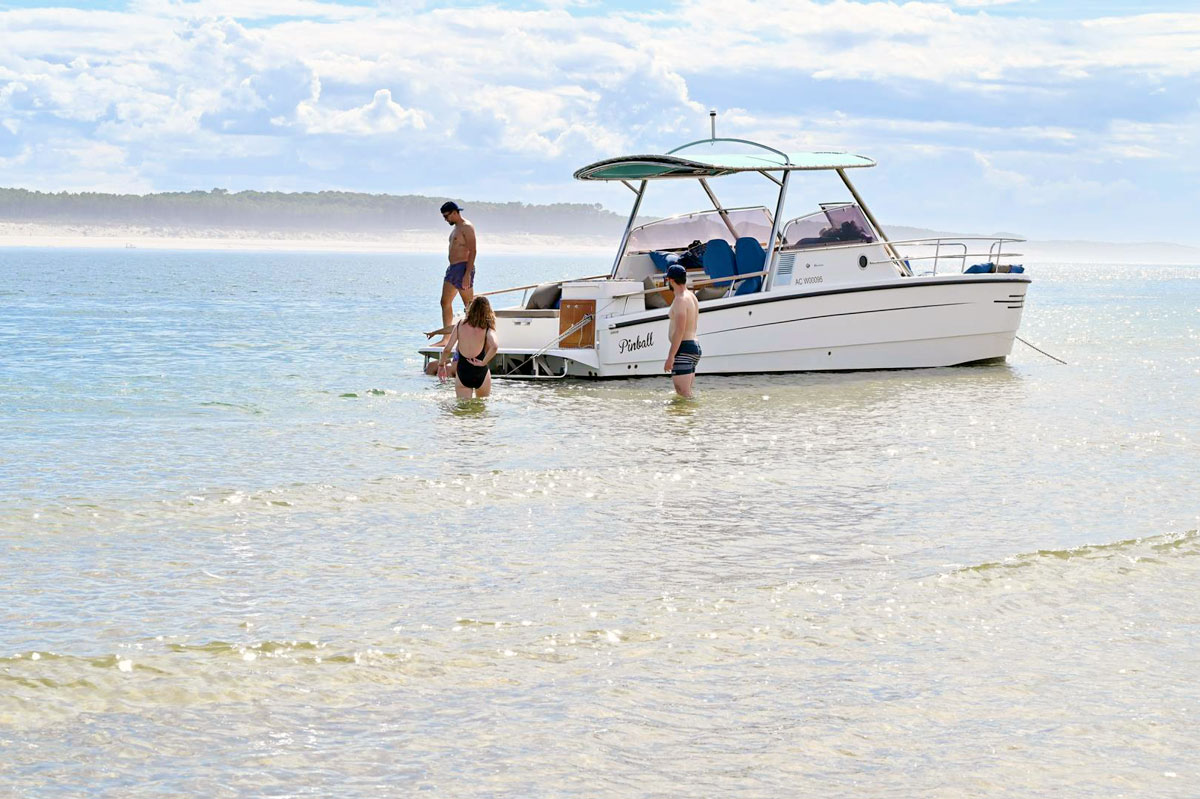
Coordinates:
column 677, row 232
column 833, row 224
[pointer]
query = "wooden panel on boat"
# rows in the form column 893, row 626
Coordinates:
column 569, row 314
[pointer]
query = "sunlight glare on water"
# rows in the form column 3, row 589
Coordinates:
column 250, row 549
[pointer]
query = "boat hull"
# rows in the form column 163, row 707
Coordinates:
column 900, row 324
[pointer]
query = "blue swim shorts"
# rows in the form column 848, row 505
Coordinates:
column 686, row 357
column 455, row 274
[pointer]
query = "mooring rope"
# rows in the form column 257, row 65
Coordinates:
column 1043, row 352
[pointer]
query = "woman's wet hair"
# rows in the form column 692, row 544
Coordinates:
column 479, row 314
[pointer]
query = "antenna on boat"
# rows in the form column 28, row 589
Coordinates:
column 712, row 119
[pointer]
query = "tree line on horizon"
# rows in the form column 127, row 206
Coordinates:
column 321, row 211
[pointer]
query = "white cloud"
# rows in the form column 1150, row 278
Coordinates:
column 1159, row 140
column 80, row 164
column 381, row 115
column 246, row 9
column 1001, row 178
column 925, row 41
column 22, row 157
column 398, row 95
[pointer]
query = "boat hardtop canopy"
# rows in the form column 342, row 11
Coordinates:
column 670, row 165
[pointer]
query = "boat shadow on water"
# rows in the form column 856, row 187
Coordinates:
column 997, row 375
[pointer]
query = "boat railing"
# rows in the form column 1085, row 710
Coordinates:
column 959, row 250
column 526, row 289
column 708, row 281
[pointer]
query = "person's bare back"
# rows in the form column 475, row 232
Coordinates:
column 684, row 353
column 684, row 314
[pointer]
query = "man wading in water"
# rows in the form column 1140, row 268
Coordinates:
column 685, row 350
column 460, row 275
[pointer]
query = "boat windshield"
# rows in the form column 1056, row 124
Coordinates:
column 833, row 224
column 677, row 232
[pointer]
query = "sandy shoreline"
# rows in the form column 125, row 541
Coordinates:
column 32, row 234
column 36, row 234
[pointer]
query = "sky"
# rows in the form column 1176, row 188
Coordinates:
column 1049, row 119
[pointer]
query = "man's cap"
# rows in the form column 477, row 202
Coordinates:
column 449, row 206
column 677, row 273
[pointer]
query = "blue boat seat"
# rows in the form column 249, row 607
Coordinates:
column 719, row 262
column 750, row 258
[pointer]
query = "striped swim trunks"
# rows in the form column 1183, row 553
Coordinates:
column 686, row 357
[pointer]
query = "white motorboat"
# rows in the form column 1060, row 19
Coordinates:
column 824, row 291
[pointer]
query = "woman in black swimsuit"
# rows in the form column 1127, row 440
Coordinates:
column 475, row 333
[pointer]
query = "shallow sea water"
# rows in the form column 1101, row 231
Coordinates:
column 250, row 550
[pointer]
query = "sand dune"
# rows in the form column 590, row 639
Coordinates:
column 32, row 234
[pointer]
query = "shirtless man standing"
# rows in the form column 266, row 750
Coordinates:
column 685, row 350
column 460, row 275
